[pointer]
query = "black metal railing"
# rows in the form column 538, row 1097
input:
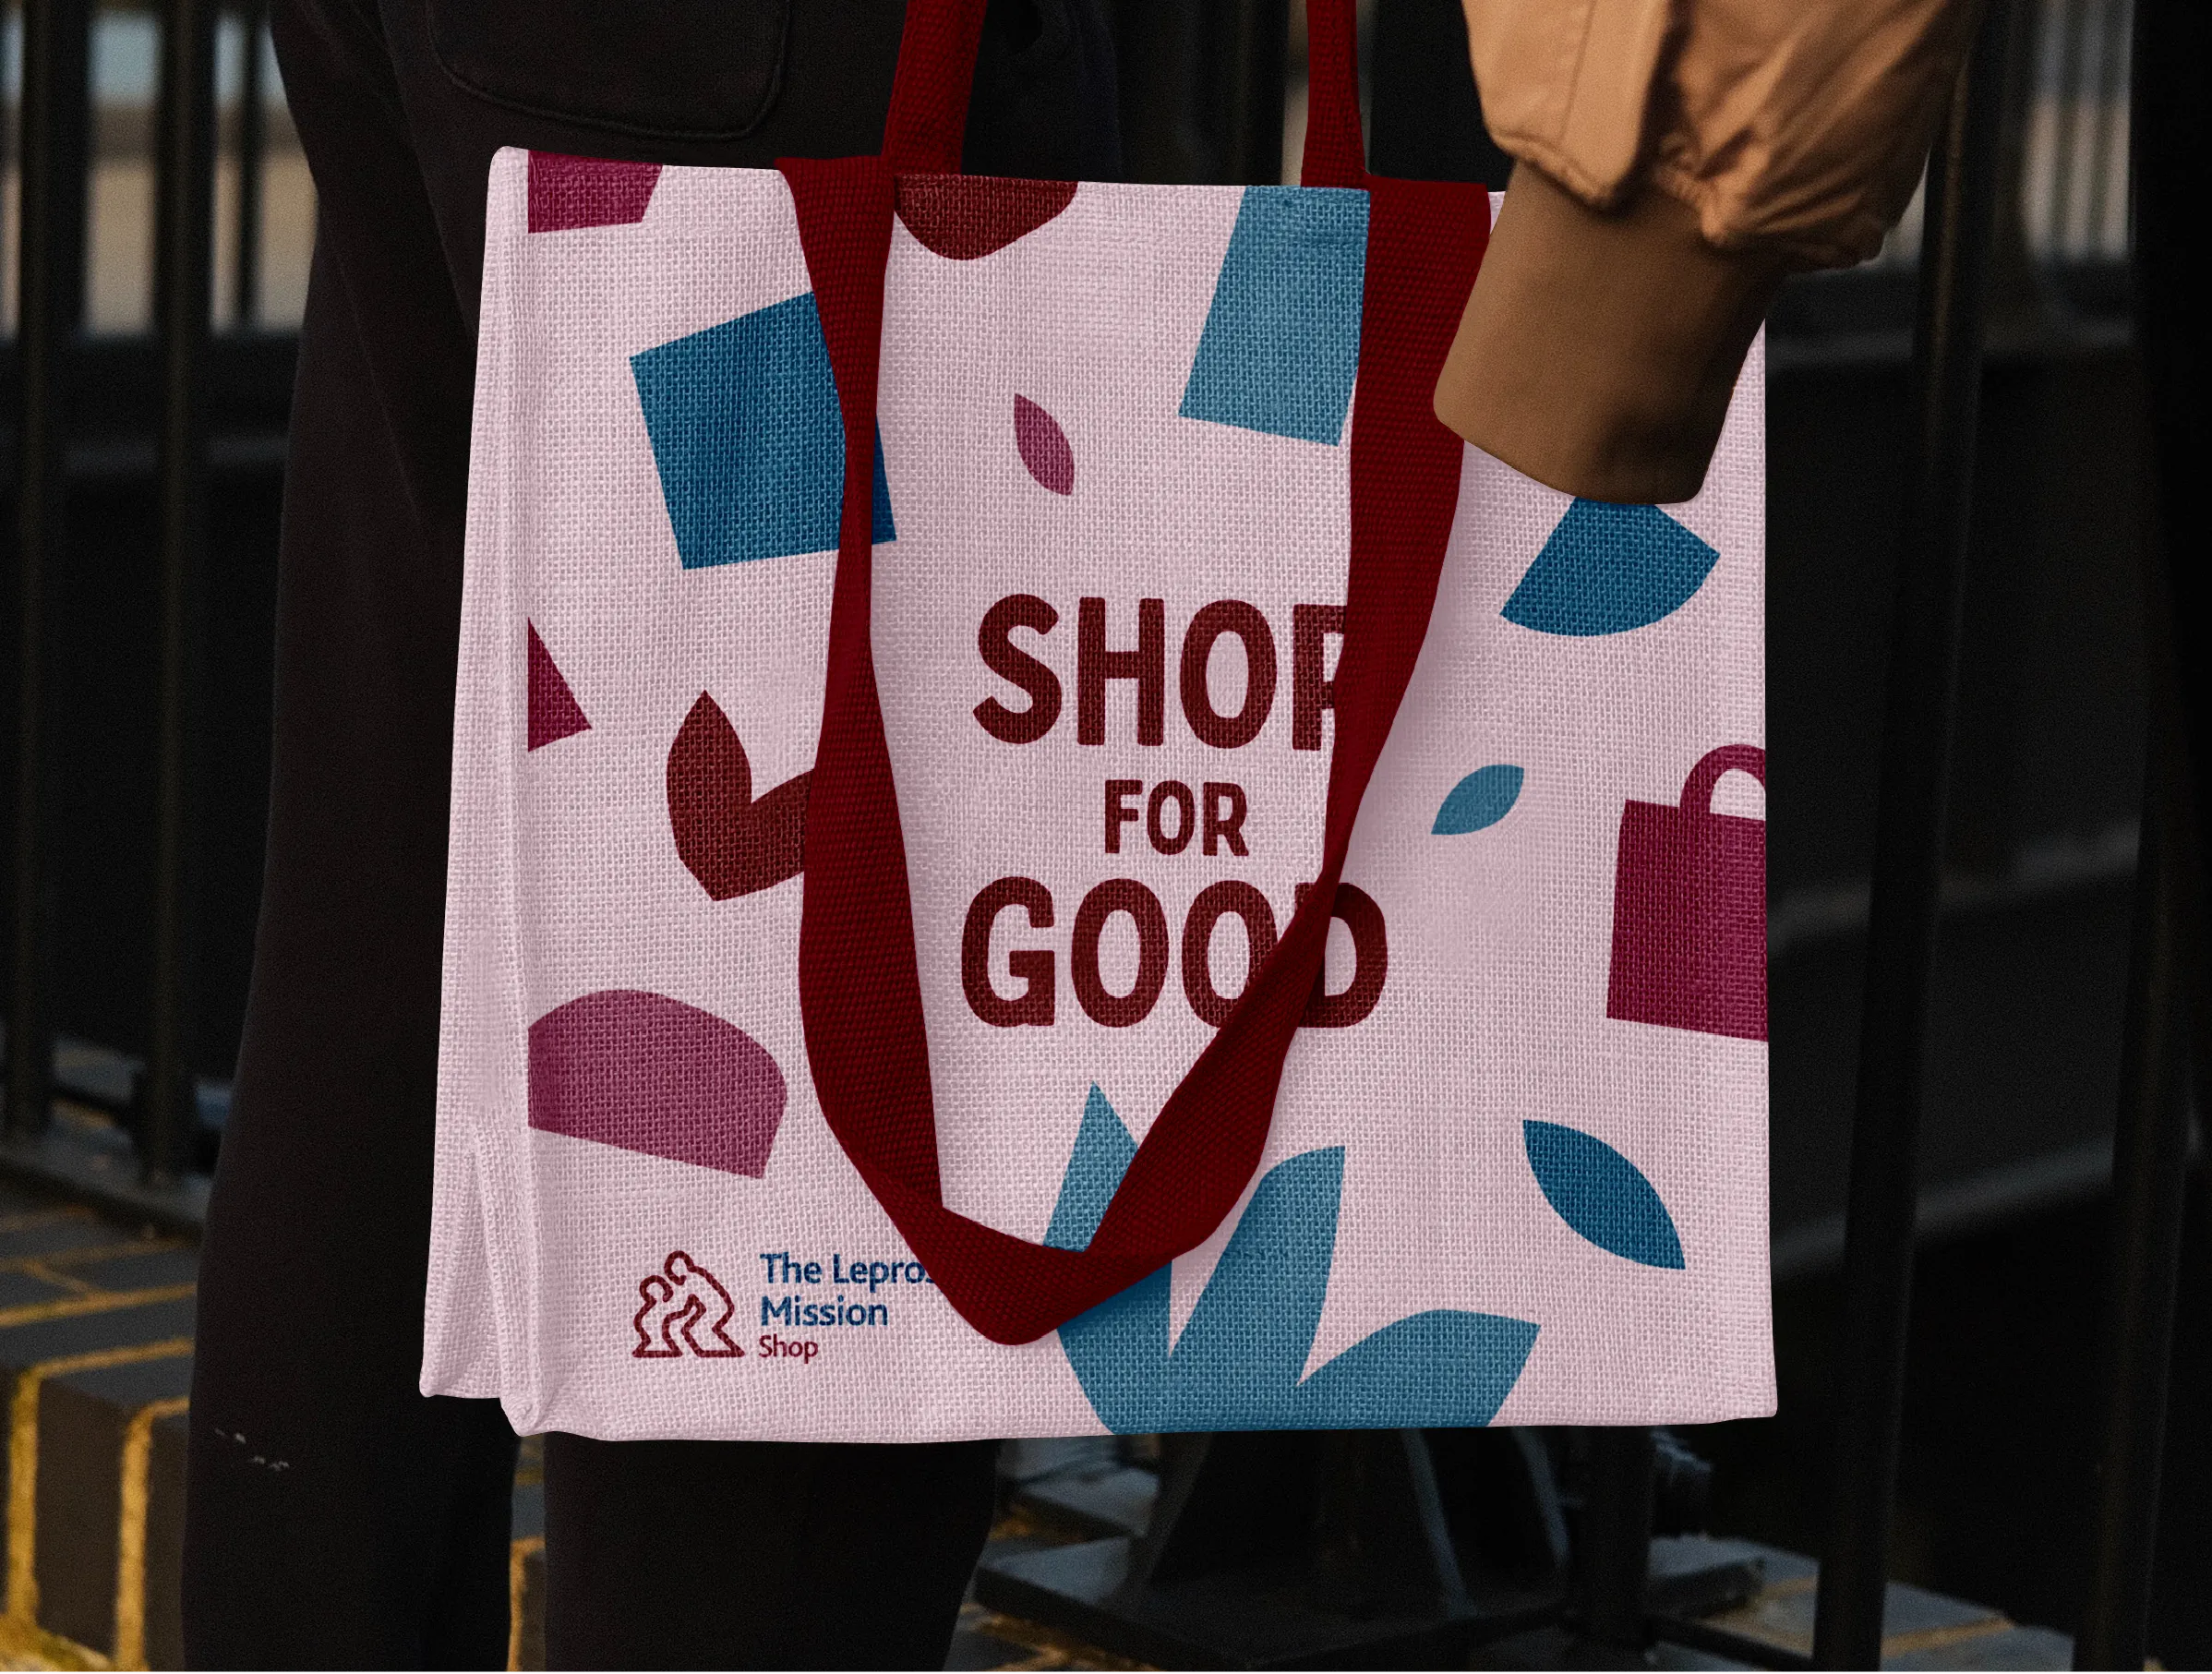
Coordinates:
column 50, row 292
column 184, row 204
column 1961, row 198
column 100, row 417
column 1205, row 99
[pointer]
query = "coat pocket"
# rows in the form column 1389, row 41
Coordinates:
column 668, row 69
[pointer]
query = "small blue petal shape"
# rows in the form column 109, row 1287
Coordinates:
column 1237, row 1364
column 1607, row 569
column 1244, row 1348
column 1280, row 350
column 1483, row 798
column 1429, row 1371
column 1102, row 1154
column 748, row 438
column 1601, row 1195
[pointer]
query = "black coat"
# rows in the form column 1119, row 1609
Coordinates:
column 381, row 1541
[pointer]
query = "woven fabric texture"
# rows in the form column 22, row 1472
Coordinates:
column 1516, row 1169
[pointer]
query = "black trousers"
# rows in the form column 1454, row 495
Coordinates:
column 335, row 1516
column 765, row 1554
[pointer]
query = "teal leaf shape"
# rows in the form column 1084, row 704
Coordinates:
column 1483, row 798
column 1607, row 569
column 1238, row 1364
column 1102, row 1154
column 1601, row 1195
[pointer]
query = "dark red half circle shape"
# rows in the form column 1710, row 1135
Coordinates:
column 964, row 216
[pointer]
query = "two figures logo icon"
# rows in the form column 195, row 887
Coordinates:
column 684, row 1305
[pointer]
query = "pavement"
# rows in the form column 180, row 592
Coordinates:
column 95, row 1359
column 96, row 1318
column 95, row 1365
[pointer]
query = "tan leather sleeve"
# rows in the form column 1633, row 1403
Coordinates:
column 1678, row 158
column 1802, row 127
column 1566, row 84
column 1598, row 352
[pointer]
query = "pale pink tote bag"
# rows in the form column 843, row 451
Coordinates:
column 985, row 898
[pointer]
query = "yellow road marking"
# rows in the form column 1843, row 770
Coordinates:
column 35, row 1647
column 30, row 1220
column 91, row 1252
column 1048, row 1648
column 518, row 1558
column 29, row 1269
column 1937, row 1639
column 98, row 1302
column 130, row 1531
column 23, row 1460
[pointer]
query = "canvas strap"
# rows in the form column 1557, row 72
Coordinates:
column 859, row 990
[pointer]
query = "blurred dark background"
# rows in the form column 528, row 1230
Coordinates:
column 2031, row 975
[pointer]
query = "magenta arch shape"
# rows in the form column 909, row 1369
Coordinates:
column 646, row 1073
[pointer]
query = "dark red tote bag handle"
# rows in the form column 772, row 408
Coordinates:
column 860, row 994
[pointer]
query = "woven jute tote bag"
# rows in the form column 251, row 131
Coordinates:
column 1036, row 849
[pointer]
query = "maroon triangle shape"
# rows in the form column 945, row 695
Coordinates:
column 554, row 712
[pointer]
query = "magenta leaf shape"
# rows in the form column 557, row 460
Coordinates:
column 1043, row 445
column 554, row 712
column 649, row 1074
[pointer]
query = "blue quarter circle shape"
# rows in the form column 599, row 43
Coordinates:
column 1609, row 568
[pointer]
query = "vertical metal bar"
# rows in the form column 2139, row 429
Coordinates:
column 253, row 144
column 1259, row 37
column 50, row 292
column 1427, row 118
column 2167, row 988
column 8, row 119
column 2150, row 1157
column 1909, row 851
column 185, row 203
column 1612, row 1562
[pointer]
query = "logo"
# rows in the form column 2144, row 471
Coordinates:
column 684, row 1305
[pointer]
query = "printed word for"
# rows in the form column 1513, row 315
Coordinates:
column 1171, row 818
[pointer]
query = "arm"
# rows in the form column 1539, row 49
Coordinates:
column 1677, row 159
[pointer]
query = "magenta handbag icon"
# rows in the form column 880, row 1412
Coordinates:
column 1690, row 908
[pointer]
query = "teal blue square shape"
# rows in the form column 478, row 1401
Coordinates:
column 748, row 438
